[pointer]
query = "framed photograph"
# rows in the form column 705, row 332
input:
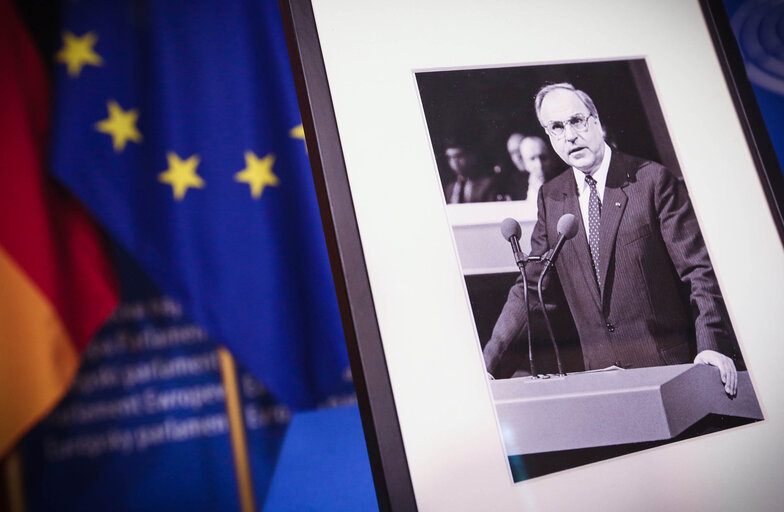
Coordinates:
column 556, row 235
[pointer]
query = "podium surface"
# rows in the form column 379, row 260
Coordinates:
column 612, row 407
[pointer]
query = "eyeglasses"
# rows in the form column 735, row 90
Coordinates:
column 557, row 128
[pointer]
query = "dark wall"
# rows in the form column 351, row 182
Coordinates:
column 489, row 104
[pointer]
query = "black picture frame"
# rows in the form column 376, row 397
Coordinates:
column 394, row 490
column 366, row 350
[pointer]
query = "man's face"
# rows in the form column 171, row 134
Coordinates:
column 582, row 150
column 536, row 157
column 513, row 148
column 461, row 160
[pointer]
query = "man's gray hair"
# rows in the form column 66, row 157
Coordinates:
column 547, row 89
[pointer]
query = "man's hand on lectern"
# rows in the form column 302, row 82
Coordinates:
column 729, row 375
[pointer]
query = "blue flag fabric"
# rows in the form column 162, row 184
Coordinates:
column 144, row 425
column 177, row 125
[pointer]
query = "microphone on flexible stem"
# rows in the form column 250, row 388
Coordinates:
column 567, row 228
column 510, row 229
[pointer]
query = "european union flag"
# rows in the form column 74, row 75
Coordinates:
column 176, row 123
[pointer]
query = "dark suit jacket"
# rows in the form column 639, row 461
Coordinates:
column 660, row 302
column 482, row 189
column 514, row 185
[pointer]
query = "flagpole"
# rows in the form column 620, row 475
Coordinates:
column 239, row 443
column 12, row 482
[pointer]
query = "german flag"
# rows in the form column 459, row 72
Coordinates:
column 56, row 285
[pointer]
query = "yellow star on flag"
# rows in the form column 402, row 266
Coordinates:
column 298, row 132
column 121, row 125
column 181, row 175
column 77, row 52
column 257, row 173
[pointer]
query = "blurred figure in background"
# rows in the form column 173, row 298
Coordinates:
column 533, row 165
column 515, row 179
column 537, row 162
column 472, row 182
column 513, row 148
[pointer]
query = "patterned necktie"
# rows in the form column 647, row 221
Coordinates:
column 594, row 216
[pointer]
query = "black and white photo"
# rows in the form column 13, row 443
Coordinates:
column 630, row 284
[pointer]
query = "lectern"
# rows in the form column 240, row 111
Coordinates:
column 613, row 407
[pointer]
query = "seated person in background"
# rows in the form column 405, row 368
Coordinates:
column 533, row 164
column 515, row 181
column 513, row 148
column 472, row 183
column 537, row 161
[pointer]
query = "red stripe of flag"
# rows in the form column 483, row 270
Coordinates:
column 48, row 236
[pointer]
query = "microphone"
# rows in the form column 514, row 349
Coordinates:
column 566, row 228
column 510, row 230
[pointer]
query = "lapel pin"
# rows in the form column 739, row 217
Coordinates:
column 618, row 205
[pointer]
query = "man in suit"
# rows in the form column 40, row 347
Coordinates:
column 636, row 278
column 471, row 183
